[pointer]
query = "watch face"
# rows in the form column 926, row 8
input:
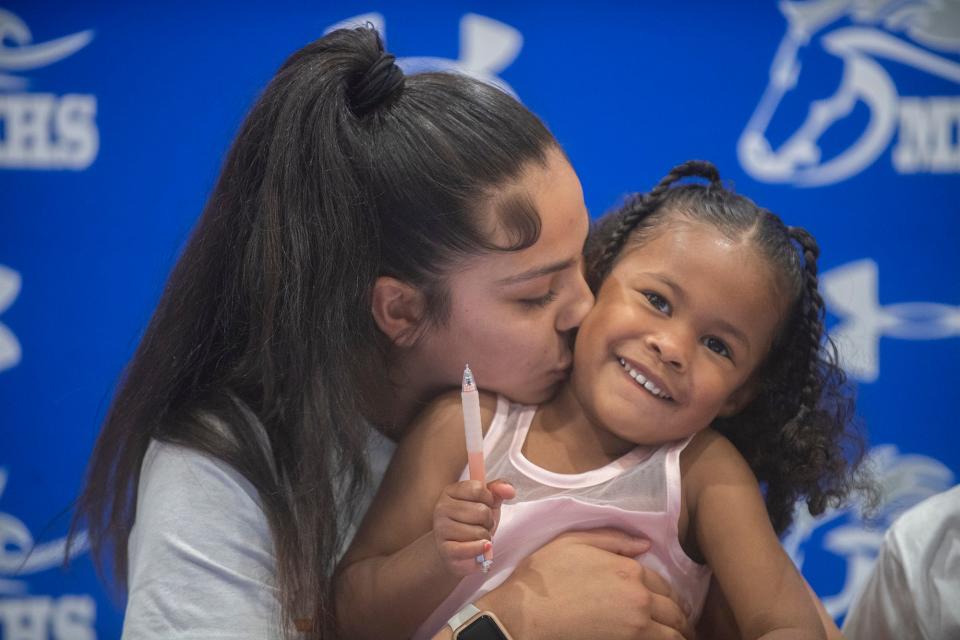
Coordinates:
column 483, row 628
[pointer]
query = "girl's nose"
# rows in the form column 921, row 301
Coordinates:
column 670, row 349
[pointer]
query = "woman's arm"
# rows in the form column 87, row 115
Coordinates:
column 201, row 556
column 729, row 526
column 586, row 585
column 394, row 574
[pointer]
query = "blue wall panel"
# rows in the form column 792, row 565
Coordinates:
column 842, row 117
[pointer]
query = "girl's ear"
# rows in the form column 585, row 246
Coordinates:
column 398, row 309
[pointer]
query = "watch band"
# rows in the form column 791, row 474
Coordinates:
column 460, row 617
column 471, row 622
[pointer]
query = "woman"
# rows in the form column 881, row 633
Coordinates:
column 369, row 234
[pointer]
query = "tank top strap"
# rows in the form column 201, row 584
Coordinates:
column 507, row 420
column 674, row 480
column 498, row 425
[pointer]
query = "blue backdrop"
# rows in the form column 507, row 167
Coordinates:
column 840, row 115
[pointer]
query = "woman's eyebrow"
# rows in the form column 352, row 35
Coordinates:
column 537, row 272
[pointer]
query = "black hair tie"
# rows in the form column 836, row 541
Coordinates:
column 380, row 81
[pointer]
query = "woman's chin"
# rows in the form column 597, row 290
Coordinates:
column 534, row 396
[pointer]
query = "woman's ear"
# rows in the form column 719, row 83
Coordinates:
column 398, row 309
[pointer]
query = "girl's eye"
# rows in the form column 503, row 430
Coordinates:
column 717, row 346
column 658, row 302
column 540, row 302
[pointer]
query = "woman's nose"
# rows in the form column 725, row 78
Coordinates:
column 577, row 307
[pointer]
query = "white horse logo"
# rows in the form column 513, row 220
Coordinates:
column 26, row 55
column 916, row 33
column 487, row 47
column 904, row 481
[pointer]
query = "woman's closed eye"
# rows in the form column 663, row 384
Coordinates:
column 658, row 302
column 540, row 301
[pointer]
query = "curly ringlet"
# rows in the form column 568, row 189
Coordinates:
column 262, row 342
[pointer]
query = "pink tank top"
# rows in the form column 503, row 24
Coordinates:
column 638, row 493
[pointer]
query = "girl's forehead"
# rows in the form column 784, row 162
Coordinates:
column 695, row 251
column 674, row 220
column 676, row 234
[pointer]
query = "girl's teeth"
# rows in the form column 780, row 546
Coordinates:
column 642, row 380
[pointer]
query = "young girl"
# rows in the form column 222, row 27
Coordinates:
column 699, row 372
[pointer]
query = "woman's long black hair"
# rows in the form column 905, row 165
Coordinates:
column 344, row 170
column 799, row 434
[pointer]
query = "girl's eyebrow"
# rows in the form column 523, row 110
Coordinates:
column 734, row 332
column 536, row 272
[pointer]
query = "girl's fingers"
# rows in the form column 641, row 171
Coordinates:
column 471, row 491
column 473, row 513
column 501, row 490
column 459, row 532
column 463, row 551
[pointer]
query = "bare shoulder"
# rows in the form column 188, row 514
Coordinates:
column 710, row 458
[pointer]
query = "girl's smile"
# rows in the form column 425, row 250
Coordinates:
column 646, row 381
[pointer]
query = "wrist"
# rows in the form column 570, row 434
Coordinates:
column 472, row 623
column 505, row 603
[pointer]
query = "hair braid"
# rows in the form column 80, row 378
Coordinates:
column 638, row 207
column 810, row 352
column 812, row 314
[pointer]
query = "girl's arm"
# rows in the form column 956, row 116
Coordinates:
column 728, row 525
column 393, row 575
column 716, row 622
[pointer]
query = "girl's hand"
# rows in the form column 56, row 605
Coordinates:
column 464, row 521
column 587, row 585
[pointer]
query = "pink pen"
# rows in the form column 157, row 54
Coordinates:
column 470, row 400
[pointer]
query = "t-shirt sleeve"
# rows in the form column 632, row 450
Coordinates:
column 201, row 561
column 884, row 608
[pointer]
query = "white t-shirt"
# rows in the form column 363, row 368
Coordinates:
column 914, row 591
column 201, row 560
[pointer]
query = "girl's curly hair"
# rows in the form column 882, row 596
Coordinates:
column 798, row 434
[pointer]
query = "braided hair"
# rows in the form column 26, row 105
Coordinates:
column 797, row 434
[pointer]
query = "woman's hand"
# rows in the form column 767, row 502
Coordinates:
column 587, row 584
column 464, row 521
